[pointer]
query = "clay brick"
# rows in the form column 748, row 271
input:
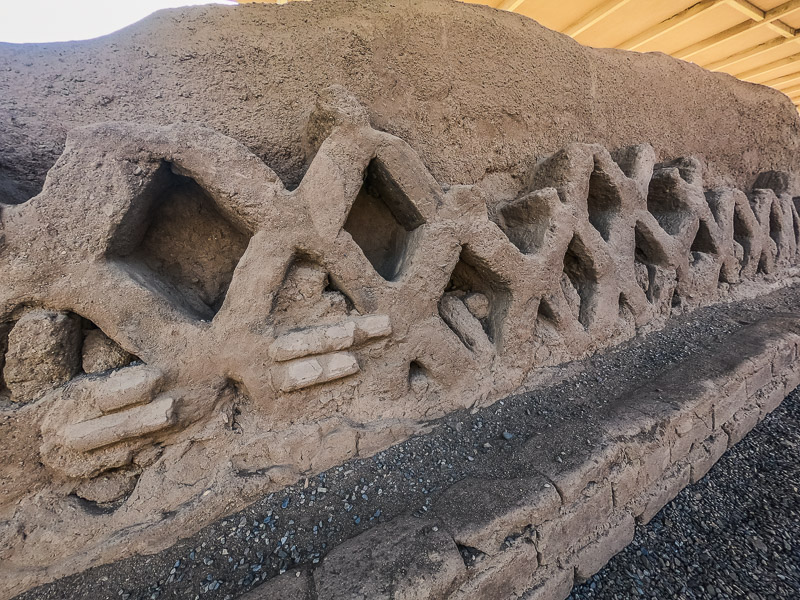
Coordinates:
column 408, row 558
column 686, row 439
column 726, row 406
column 134, row 422
column 647, row 463
column 314, row 340
column 505, row 575
column 661, row 492
column 482, row 513
column 590, row 559
column 574, row 525
column 770, row 398
column 120, row 389
column 742, row 422
column 305, row 372
column 706, row 454
column 551, row 583
column 759, row 379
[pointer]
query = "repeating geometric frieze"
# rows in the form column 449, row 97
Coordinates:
column 166, row 295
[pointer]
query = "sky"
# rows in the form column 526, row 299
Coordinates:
column 62, row 20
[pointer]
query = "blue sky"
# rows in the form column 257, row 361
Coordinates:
column 63, row 20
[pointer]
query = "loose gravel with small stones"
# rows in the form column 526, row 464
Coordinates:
column 300, row 524
column 734, row 534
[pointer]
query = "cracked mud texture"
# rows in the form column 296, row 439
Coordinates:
column 734, row 534
column 413, row 64
column 298, row 525
column 220, row 397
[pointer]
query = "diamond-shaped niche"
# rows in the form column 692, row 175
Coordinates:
column 177, row 242
column 382, row 221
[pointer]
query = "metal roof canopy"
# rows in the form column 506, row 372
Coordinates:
column 754, row 41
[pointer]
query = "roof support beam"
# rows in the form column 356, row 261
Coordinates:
column 770, row 20
column 673, row 22
column 510, row 5
column 594, row 16
column 768, row 68
column 783, row 81
column 792, row 91
column 753, row 52
column 751, row 11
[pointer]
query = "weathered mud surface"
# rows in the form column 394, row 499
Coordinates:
column 184, row 329
column 247, row 548
column 479, row 93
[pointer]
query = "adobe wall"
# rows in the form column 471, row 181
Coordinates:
column 480, row 94
column 185, row 328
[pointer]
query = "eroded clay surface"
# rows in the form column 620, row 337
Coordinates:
column 184, row 330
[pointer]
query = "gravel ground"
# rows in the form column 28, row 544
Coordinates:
column 734, row 534
column 301, row 523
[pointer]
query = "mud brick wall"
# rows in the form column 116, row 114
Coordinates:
column 222, row 270
column 534, row 537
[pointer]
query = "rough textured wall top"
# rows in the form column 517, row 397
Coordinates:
column 474, row 90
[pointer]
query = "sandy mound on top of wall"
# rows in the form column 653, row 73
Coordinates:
column 474, row 90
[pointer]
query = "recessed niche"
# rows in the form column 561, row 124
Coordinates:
column 603, row 202
column 579, row 281
column 418, row 377
column 527, row 220
column 665, row 203
column 742, row 235
column 648, row 259
column 177, row 243
column 484, row 295
column 545, row 326
column 382, row 221
column 44, row 349
column 776, row 225
column 309, row 295
column 702, row 240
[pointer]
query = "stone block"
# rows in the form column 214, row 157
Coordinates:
column 660, row 492
column 742, row 422
column 792, row 375
column 703, row 457
column 691, row 431
column 570, row 463
column 119, row 426
column 43, row 353
column 785, row 357
column 759, row 379
column 727, row 405
column 646, row 461
column 505, row 575
column 550, row 583
column 591, row 558
column 413, row 559
column 101, row 353
column 770, row 397
column 574, row 525
column 481, row 513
